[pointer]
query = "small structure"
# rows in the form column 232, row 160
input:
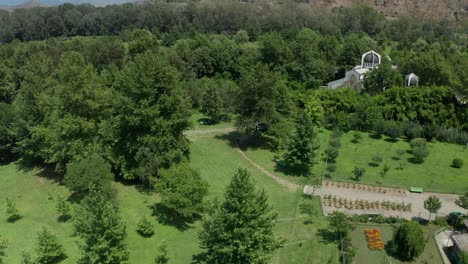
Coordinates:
column 354, row 78
column 416, row 189
column 460, row 244
column 411, row 80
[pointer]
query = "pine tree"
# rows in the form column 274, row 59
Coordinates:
column 3, row 247
column 48, row 250
column 211, row 104
column 240, row 228
column 161, row 257
column 63, row 209
column 97, row 221
column 302, row 149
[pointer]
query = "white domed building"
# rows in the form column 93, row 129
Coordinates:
column 355, row 77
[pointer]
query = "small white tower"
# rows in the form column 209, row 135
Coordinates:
column 370, row 59
column 411, row 79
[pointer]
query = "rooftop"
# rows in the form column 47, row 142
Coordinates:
column 461, row 241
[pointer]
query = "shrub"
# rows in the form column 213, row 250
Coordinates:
column 145, row 227
column 358, row 173
column 331, row 153
column 12, row 211
column 409, row 241
column 392, row 129
column 379, row 219
column 63, row 209
column 377, row 158
column 419, row 149
column 331, row 167
column 440, row 221
column 357, row 136
column 457, row 163
column 412, row 130
column 335, row 142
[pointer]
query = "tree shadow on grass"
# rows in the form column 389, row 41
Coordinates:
column 238, row 140
column 414, row 160
column 14, row 218
column 391, row 140
column 167, row 216
column 46, row 171
column 375, row 136
column 199, row 258
column 373, row 164
column 326, row 236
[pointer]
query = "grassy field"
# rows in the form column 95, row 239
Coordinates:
column 196, row 118
column 435, row 174
column 365, row 255
column 213, row 157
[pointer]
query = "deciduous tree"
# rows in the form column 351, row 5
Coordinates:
column 409, row 241
column 433, row 205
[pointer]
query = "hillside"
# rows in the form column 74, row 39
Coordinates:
column 452, row 9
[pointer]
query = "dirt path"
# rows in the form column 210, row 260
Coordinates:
column 291, row 186
column 193, row 133
column 197, row 132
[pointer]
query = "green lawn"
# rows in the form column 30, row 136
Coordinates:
column 196, row 117
column 365, row 255
column 215, row 160
column 435, row 174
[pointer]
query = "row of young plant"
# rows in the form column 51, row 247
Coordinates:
column 396, row 129
column 368, row 188
column 332, row 152
column 340, row 202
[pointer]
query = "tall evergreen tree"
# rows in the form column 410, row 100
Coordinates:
column 97, row 221
column 240, row 228
column 152, row 115
column 48, row 250
column 302, row 149
column 211, row 104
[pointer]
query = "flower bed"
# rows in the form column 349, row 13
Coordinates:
column 374, row 240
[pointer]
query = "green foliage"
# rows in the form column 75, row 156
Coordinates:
column 340, row 223
column 457, row 163
column 357, row 136
column 314, row 109
column 7, row 132
column 3, row 247
column 419, row 149
column 212, row 104
column 26, row 258
column 463, row 201
column 182, row 191
column 384, row 171
column 91, row 172
column 440, row 221
column 432, row 204
column 63, row 209
column 358, row 173
column 381, row 79
column 409, row 241
column 240, row 228
column 12, row 212
column 161, row 257
column 145, row 227
column 98, row 223
column 302, row 148
column 377, row 158
column 48, row 250
column 152, row 115
column 331, row 153
column 142, row 40
column 264, row 99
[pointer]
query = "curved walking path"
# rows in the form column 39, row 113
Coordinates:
column 291, row 186
column 197, row 132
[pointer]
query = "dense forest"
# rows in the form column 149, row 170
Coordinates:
column 127, row 94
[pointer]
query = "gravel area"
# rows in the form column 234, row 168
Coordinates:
column 373, row 194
